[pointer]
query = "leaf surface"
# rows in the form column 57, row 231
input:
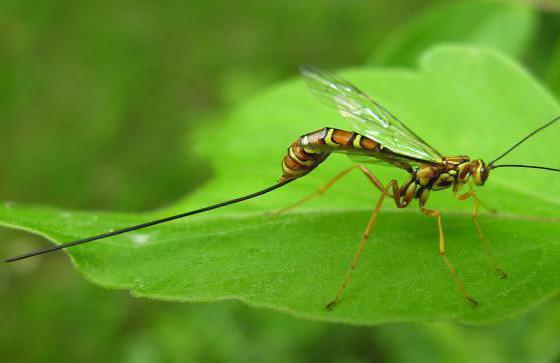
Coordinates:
column 508, row 27
column 462, row 100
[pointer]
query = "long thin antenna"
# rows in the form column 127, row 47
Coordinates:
column 524, row 166
column 147, row 224
column 524, row 139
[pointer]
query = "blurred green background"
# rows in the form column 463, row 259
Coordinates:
column 98, row 101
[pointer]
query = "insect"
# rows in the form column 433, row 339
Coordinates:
column 379, row 139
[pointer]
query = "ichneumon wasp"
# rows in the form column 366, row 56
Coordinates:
column 381, row 139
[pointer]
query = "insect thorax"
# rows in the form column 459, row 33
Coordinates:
column 453, row 172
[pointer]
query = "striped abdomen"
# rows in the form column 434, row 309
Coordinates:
column 311, row 149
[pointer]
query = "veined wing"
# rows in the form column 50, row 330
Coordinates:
column 385, row 160
column 367, row 116
column 377, row 156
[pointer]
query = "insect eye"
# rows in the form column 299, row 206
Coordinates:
column 484, row 171
column 480, row 172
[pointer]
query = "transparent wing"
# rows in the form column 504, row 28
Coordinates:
column 385, row 160
column 367, row 116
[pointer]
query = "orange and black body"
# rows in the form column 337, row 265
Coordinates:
column 311, row 149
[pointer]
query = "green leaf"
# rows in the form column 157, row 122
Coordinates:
column 462, row 100
column 553, row 72
column 507, row 27
column 530, row 338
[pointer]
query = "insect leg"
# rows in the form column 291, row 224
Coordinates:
column 488, row 208
column 400, row 201
column 327, row 186
column 365, row 237
column 489, row 255
column 385, row 192
column 458, row 282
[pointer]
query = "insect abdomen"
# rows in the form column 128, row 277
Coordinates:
column 307, row 152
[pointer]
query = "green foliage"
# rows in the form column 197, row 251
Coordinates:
column 463, row 100
column 121, row 86
column 553, row 74
column 530, row 338
column 505, row 26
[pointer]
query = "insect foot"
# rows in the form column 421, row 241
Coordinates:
column 473, row 302
column 330, row 306
column 501, row 273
